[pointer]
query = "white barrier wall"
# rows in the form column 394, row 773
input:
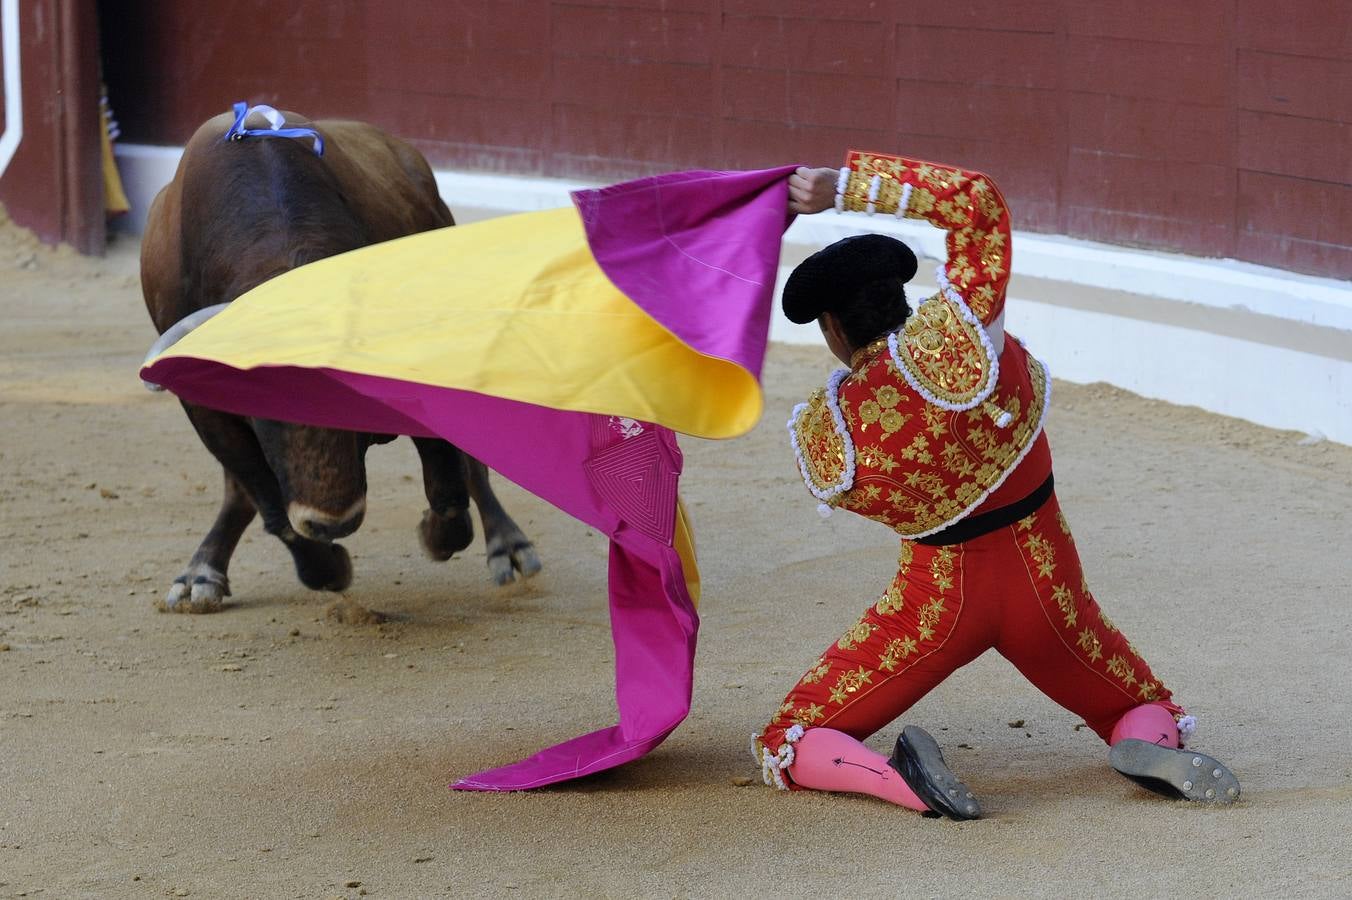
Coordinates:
column 1256, row 343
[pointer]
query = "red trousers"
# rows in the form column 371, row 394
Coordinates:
column 1018, row 589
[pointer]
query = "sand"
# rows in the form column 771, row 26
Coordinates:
column 288, row 747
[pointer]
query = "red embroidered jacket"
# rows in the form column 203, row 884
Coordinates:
column 943, row 418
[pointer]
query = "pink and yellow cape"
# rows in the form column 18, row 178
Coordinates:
column 563, row 348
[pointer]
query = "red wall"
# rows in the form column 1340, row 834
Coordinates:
column 54, row 183
column 1212, row 127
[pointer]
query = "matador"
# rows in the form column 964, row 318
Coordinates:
column 935, row 429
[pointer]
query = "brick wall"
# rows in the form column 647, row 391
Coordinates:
column 1215, row 127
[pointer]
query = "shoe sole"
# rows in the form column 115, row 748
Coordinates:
column 1181, row 774
column 937, row 786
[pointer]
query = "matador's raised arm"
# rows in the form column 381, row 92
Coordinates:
column 966, row 204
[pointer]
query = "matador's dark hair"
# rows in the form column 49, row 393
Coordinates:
column 860, row 279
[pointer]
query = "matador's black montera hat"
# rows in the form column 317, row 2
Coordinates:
column 835, row 274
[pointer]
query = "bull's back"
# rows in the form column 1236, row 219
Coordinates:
column 390, row 182
column 385, row 183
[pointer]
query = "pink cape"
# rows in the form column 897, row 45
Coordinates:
column 698, row 251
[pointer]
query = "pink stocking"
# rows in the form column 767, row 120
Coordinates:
column 1148, row 722
column 828, row 760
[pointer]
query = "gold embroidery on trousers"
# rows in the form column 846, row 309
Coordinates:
column 1065, row 601
column 892, row 601
column 809, row 715
column 858, row 634
column 897, row 650
column 1091, row 645
column 849, row 682
column 817, row 672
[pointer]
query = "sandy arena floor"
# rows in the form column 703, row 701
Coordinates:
column 274, row 750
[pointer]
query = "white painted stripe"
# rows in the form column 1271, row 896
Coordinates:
column 1276, row 386
column 13, row 80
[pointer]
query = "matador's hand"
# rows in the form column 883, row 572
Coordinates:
column 812, row 190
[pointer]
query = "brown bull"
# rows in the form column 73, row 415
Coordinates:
column 237, row 213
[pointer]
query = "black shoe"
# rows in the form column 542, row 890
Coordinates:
column 920, row 763
column 1180, row 774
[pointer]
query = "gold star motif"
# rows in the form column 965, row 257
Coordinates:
column 1065, row 601
column 1119, row 666
column 1090, row 644
column 897, row 650
column 818, row 671
column 850, row 682
column 807, row 715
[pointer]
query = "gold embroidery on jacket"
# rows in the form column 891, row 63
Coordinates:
column 822, row 449
column 966, row 204
column 940, row 464
column 944, row 353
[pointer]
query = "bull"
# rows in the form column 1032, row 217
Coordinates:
column 247, row 203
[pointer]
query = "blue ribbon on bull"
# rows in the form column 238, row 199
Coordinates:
column 276, row 120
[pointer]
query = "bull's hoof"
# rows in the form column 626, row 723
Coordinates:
column 444, row 535
column 201, row 589
column 322, row 567
column 505, row 564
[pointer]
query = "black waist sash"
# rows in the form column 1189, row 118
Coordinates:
column 975, row 526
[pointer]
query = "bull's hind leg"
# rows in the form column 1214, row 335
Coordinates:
column 204, row 585
column 319, row 565
column 446, row 527
column 509, row 550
